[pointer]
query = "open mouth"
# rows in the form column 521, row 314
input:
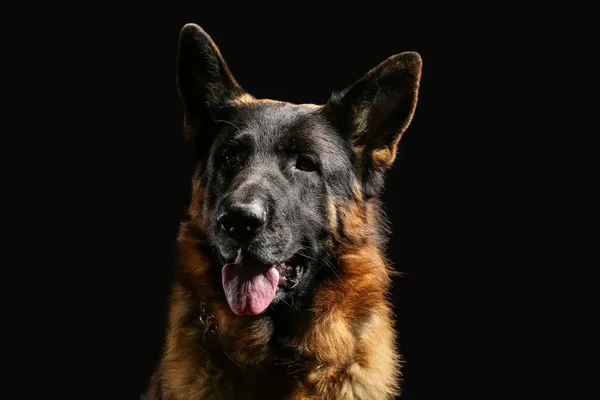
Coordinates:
column 250, row 286
column 289, row 275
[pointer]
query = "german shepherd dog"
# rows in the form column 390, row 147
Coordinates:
column 282, row 284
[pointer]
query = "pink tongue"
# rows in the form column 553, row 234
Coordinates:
column 249, row 287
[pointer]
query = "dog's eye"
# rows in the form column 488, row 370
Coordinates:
column 230, row 157
column 306, row 163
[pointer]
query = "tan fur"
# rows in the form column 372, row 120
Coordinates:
column 247, row 98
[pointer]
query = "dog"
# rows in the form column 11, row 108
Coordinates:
column 282, row 284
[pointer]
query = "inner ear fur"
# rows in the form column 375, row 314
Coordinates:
column 375, row 111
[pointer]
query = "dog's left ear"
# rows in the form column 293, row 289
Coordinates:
column 375, row 111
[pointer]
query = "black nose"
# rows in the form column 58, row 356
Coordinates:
column 242, row 221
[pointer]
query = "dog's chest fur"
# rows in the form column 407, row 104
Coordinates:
column 197, row 364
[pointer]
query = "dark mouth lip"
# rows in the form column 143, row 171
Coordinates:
column 289, row 275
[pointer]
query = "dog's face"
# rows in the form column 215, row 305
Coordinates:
column 270, row 170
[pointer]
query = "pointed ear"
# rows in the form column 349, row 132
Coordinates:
column 375, row 111
column 204, row 80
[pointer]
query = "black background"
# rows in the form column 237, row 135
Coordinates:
column 113, row 110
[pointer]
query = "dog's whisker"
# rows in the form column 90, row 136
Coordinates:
column 306, row 255
column 333, row 268
column 214, row 187
column 286, row 303
column 228, row 122
column 327, row 263
column 228, row 356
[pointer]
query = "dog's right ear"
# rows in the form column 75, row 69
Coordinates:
column 204, row 80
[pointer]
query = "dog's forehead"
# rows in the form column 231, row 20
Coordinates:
column 265, row 123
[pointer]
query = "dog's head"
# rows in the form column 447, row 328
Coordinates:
column 268, row 171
